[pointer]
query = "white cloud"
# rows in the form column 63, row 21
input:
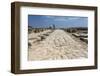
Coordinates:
column 50, row 16
column 61, row 18
column 66, row 18
column 73, row 18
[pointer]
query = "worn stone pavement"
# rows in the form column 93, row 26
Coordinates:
column 56, row 46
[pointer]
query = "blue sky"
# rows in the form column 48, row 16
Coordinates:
column 44, row 21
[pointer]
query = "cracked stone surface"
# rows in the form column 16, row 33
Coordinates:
column 57, row 45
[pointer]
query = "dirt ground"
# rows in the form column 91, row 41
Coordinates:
column 55, row 45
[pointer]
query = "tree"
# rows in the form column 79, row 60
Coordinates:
column 53, row 26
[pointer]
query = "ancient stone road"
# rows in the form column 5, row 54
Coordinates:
column 58, row 45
